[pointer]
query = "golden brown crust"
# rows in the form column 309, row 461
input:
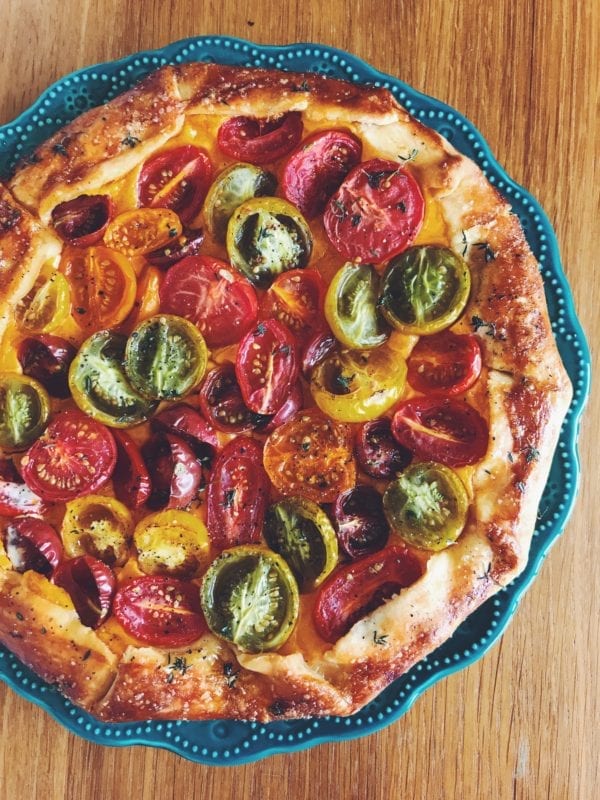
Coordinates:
column 526, row 396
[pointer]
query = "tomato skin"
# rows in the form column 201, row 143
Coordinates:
column 160, row 611
column 376, row 213
column 445, row 363
column 238, row 492
column 260, row 141
column 360, row 523
column 47, row 359
column 441, row 429
column 295, row 298
column 188, row 424
column 177, row 179
column 316, row 168
column 266, row 366
column 175, row 472
column 75, row 455
column 33, row 544
column 355, row 590
column 188, row 244
column 17, row 498
column 216, row 298
column 318, row 347
column 83, row 220
column 377, row 452
column 222, row 403
column 290, row 407
column 90, row 584
column 131, row 479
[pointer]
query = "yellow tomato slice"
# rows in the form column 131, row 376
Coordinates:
column 147, row 298
column 137, row 232
column 172, row 543
column 46, row 306
column 98, row 526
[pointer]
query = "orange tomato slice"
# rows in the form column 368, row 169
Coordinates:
column 137, row 232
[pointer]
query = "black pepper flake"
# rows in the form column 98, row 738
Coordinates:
column 19, row 616
column 86, row 655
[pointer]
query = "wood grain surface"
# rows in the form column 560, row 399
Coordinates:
column 524, row 722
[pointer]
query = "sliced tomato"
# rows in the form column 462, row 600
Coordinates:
column 188, row 244
column 172, row 543
column 102, row 285
column 354, row 591
column 311, row 456
column 317, row 167
column 376, row 213
column 147, row 301
column 176, row 474
column 74, row 456
column 142, row 231
column 320, row 345
column 296, row 299
column 222, row 403
column 33, row 544
column 90, row 584
column 161, row 611
column 238, row 492
column 260, row 141
column 377, row 452
column 83, row 220
column 360, row 522
column 440, row 429
column 177, row 179
column 47, row 359
column 290, row 407
column 24, row 411
column 131, row 479
column 17, row 498
column 212, row 295
column 46, row 306
column 445, row 363
column 266, row 366
column 188, row 424
column 98, row 526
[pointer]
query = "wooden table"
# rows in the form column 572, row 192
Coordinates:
column 524, row 721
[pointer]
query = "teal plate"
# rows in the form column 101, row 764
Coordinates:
column 230, row 742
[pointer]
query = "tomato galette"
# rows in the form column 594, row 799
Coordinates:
column 278, row 397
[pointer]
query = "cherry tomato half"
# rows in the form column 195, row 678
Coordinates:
column 321, row 344
column 376, row 213
column 266, row 366
column 131, row 479
column 172, row 543
column 260, row 141
column 311, row 456
column 212, row 295
column 188, row 244
column 317, row 167
column 188, row 424
column 360, row 523
column 47, row 359
column 97, row 526
column 222, row 403
column 175, row 473
column 351, row 307
column 377, row 452
column 235, row 185
column 357, row 589
column 83, row 220
column 445, row 363
column 437, row 429
column 177, row 179
column 296, row 299
column 290, row 407
column 24, row 410
column 17, row 498
column 74, row 456
column 46, row 306
column 32, row 544
column 160, row 611
column 90, row 584
column 238, row 492
column 142, row 231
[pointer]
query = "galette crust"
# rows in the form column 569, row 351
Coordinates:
column 525, row 397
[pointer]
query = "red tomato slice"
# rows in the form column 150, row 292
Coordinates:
column 177, row 179
column 266, row 366
column 260, row 141
column 175, row 472
column 187, row 423
column 238, row 492
column 376, row 213
column 32, row 544
column 47, row 359
column 445, row 363
column 436, row 429
column 296, row 299
column 83, row 220
column 318, row 347
column 17, row 498
column 75, row 455
column 131, row 479
column 160, row 611
column 377, row 452
column 91, row 585
column 354, row 591
column 290, row 407
column 216, row 298
column 315, row 170
column 222, row 403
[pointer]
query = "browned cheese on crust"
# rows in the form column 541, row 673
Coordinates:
column 525, row 398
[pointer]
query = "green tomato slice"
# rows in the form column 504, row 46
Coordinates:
column 250, row 598
column 427, row 505
column 235, row 185
column 101, row 387
column 268, row 236
column 358, row 385
column 24, row 411
column 351, row 307
column 165, row 357
column 300, row 531
column 425, row 289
